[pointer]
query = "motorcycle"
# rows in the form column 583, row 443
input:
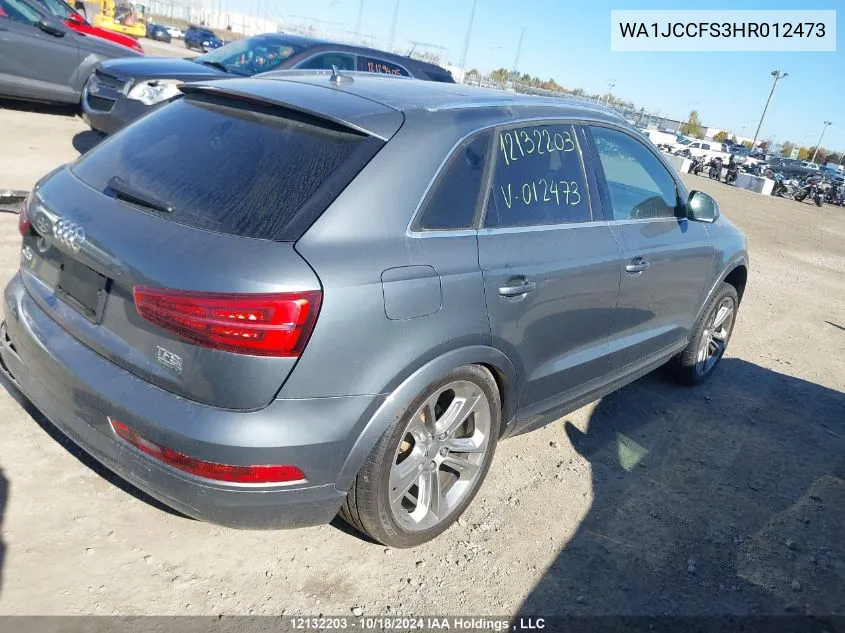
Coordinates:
column 784, row 187
column 696, row 166
column 834, row 195
column 811, row 188
column 731, row 173
column 715, row 165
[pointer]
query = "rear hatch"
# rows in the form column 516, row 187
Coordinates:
column 169, row 248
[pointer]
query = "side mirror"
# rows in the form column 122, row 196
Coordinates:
column 77, row 19
column 702, row 208
column 50, row 28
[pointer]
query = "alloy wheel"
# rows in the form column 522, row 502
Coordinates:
column 714, row 339
column 440, row 455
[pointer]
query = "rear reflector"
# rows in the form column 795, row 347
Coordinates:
column 262, row 474
column 258, row 324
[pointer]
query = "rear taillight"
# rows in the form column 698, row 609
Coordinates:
column 24, row 225
column 260, row 474
column 259, row 324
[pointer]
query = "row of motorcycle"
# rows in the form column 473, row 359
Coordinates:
column 813, row 187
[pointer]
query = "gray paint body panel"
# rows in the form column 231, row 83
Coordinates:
column 399, row 309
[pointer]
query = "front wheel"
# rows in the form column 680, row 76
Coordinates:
column 800, row 196
column 427, row 467
column 709, row 338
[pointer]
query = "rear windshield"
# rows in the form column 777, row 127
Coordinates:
column 228, row 168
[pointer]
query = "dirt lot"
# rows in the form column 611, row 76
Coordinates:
column 658, row 499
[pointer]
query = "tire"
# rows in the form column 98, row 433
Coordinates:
column 687, row 367
column 188, row 45
column 818, row 201
column 800, row 196
column 368, row 508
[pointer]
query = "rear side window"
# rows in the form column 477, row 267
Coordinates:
column 229, row 169
column 373, row 65
column 452, row 204
column 326, row 61
column 539, row 178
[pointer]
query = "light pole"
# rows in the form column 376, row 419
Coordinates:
column 393, row 24
column 466, row 40
column 360, row 14
column 777, row 75
column 610, row 84
column 824, row 129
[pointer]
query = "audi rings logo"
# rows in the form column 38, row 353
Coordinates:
column 69, row 234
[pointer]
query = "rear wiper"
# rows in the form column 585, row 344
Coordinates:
column 126, row 193
column 216, row 65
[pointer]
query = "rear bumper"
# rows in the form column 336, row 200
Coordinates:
column 76, row 389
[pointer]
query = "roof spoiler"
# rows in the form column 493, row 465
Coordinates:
column 344, row 109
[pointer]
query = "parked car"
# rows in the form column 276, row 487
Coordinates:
column 202, row 39
column 119, row 92
column 78, row 23
column 42, row 58
column 225, row 305
column 834, row 175
column 158, row 32
column 175, row 32
column 791, row 167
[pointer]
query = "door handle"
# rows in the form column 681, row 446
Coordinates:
column 518, row 288
column 636, row 266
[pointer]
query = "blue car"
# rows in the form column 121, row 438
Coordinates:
column 202, row 39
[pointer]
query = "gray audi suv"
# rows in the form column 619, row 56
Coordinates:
column 356, row 288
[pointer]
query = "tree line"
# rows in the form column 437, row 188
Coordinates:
column 693, row 127
column 503, row 76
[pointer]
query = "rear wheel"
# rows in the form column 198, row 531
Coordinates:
column 709, row 338
column 427, row 467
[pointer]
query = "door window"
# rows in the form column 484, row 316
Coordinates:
column 18, row 11
column 452, row 204
column 325, row 61
column 539, row 178
column 373, row 65
column 640, row 187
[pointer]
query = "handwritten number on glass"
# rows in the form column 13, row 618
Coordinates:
column 518, row 144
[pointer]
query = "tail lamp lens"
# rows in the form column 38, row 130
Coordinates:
column 261, row 474
column 258, row 324
column 24, row 225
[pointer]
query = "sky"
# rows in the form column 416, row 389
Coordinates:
column 570, row 42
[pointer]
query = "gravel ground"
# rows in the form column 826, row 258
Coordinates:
column 727, row 499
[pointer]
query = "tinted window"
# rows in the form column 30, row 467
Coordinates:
column 325, row 61
column 18, row 11
column 251, row 56
column 452, row 204
column 373, row 65
column 224, row 168
column 539, row 178
column 639, row 185
column 443, row 76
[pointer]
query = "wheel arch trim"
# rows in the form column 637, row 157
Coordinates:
column 397, row 402
column 734, row 263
